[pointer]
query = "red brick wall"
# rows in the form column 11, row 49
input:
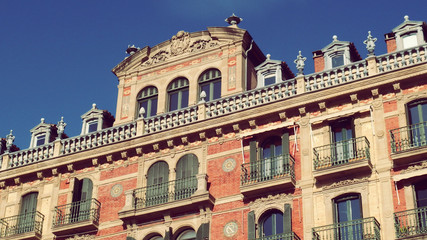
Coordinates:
column 110, row 206
column 390, row 123
column 297, row 220
column 390, row 106
column 400, row 190
column 319, row 64
column 391, row 45
column 219, row 221
column 120, row 171
column 224, row 183
column 225, row 146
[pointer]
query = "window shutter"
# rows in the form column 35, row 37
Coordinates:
column 285, row 143
column 195, row 165
column 252, row 150
column 168, row 234
column 287, row 219
column 77, row 190
column 251, row 225
column 87, row 187
column 29, row 203
column 203, row 232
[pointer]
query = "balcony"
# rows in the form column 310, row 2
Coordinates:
column 411, row 223
column 360, row 229
column 172, row 198
column 342, row 158
column 408, row 144
column 76, row 217
column 23, row 227
column 283, row 236
column 267, row 175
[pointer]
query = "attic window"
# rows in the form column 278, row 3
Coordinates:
column 92, row 126
column 40, row 139
column 410, row 40
column 269, row 80
column 337, row 59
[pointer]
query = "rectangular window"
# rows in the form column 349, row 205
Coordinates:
column 40, row 139
column 92, row 126
column 410, row 40
column 337, row 61
column 269, row 81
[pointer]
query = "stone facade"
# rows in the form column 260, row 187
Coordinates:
column 328, row 155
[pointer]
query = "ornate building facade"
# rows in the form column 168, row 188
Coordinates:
column 212, row 139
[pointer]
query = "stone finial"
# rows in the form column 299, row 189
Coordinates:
column 141, row 112
column 300, row 63
column 94, row 106
column 9, row 141
column 370, row 44
column 61, row 128
column 406, row 17
column 268, row 56
column 335, row 38
column 41, row 120
column 233, row 20
column 202, row 97
column 131, row 49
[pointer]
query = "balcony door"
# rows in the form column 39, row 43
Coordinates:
column 186, row 182
column 157, row 184
column 343, row 144
column 418, row 122
column 348, row 211
column 272, row 158
column 421, row 202
column 82, row 196
column 27, row 214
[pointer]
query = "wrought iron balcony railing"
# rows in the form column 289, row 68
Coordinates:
column 342, row 152
column 408, row 137
column 360, row 229
column 411, row 222
column 77, row 212
column 164, row 192
column 267, row 169
column 282, row 236
column 20, row 224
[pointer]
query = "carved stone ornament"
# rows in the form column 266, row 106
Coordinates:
column 415, row 167
column 180, row 43
column 282, row 115
column 261, row 202
column 322, row 105
column 82, row 237
column 156, row 147
column 109, row 158
column 184, row 140
column 302, row 111
column 396, row 86
column 236, row 127
column 345, row 183
column 202, row 135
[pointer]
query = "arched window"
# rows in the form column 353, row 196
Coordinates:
column 348, row 209
column 147, row 99
column 178, row 94
column 186, row 170
column 27, row 214
column 417, row 117
column 271, row 223
column 156, row 238
column 189, row 234
column 82, row 200
column 157, row 183
column 210, row 82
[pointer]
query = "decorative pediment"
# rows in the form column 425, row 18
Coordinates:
column 41, row 127
column 268, row 64
column 94, row 112
column 335, row 45
column 407, row 25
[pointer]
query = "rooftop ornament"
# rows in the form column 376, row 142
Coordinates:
column 141, row 112
column 61, row 128
column 406, row 17
column 233, row 20
column 370, row 44
column 300, row 63
column 9, row 141
column 335, row 38
column 131, row 49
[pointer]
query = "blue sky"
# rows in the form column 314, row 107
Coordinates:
column 56, row 56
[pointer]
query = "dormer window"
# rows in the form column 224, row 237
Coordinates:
column 40, row 139
column 271, row 72
column 92, row 126
column 337, row 59
column 409, row 40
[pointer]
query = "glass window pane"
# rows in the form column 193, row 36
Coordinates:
column 153, row 111
column 217, row 90
column 279, row 223
column 184, row 99
column 337, row 61
column 269, row 81
column 414, row 115
column 40, row 140
column 173, row 101
column 268, row 226
column 342, row 211
column 93, row 126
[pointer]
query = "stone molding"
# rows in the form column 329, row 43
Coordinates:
column 414, row 167
column 345, row 183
